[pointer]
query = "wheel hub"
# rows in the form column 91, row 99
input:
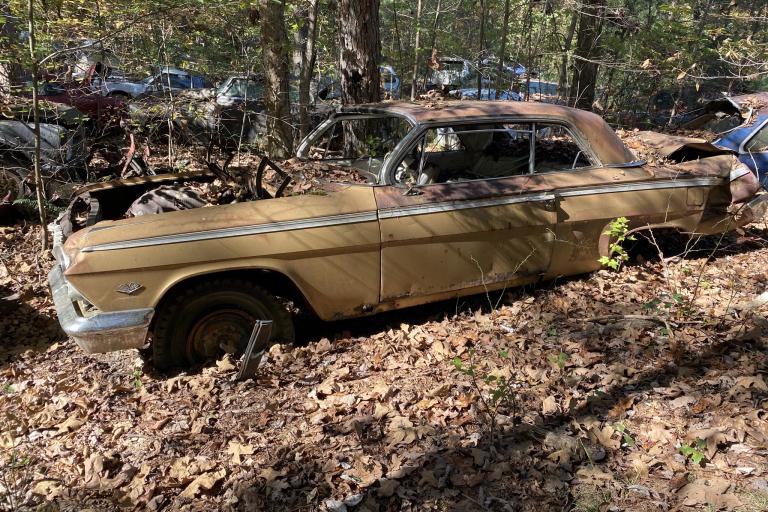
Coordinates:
column 221, row 331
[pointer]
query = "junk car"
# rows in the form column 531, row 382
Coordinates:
column 740, row 124
column 442, row 201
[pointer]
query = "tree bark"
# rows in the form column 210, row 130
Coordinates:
column 308, row 57
column 274, row 55
column 582, row 91
column 360, row 51
column 358, row 62
column 481, row 52
column 415, row 73
column 502, row 49
column 10, row 69
column 562, row 83
column 39, row 187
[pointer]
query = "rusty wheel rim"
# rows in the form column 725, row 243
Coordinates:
column 225, row 330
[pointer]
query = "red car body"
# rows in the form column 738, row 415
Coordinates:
column 106, row 111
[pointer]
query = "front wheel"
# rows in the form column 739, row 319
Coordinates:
column 205, row 320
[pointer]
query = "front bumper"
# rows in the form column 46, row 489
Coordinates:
column 100, row 332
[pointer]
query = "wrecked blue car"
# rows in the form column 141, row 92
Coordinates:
column 741, row 125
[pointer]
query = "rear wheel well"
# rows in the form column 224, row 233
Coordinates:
column 276, row 283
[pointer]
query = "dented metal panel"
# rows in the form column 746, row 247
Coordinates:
column 432, row 248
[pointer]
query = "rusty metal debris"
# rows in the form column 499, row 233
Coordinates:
column 257, row 345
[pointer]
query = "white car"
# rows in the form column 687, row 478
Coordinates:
column 168, row 79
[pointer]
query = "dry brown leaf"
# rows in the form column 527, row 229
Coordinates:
column 712, row 493
column 549, row 405
column 71, row 424
column 604, row 436
column 387, row 487
column 367, row 470
column 237, row 450
column 755, row 382
column 204, row 482
column 428, row 478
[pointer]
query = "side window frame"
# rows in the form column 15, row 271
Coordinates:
column 584, row 149
column 417, row 136
column 745, row 145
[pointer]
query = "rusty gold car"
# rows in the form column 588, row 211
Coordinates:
column 446, row 200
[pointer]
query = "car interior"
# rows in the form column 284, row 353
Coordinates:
column 449, row 153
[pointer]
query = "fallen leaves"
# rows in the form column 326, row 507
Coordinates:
column 204, row 482
column 237, row 450
column 347, row 420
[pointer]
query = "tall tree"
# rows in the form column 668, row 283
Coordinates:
column 502, row 50
column 417, row 43
column 39, row 190
column 481, row 52
column 585, row 67
column 9, row 66
column 274, row 50
column 562, row 81
column 360, row 50
column 308, row 57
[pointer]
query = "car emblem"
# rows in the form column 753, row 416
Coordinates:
column 129, row 288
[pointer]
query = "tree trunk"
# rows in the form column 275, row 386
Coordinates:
column 10, row 69
column 502, row 49
column 39, row 187
column 360, row 51
column 398, row 41
column 358, row 61
column 274, row 55
column 582, row 91
column 415, row 74
column 433, row 46
column 481, row 52
column 562, row 83
column 308, row 57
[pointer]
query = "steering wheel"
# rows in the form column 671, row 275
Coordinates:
column 261, row 193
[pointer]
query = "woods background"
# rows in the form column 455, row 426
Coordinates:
column 631, row 56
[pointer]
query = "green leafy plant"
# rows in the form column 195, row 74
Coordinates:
column 617, row 254
column 137, row 379
column 626, row 438
column 694, row 451
column 558, row 360
column 15, row 477
column 493, row 391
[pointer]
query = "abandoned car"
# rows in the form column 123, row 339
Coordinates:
column 741, row 125
column 443, row 201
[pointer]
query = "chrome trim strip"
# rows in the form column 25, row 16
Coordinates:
column 743, row 145
column 738, row 172
column 644, row 185
column 391, row 213
column 258, row 229
column 449, row 206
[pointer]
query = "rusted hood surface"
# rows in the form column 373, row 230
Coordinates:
column 654, row 146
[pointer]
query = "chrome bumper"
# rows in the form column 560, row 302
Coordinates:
column 101, row 332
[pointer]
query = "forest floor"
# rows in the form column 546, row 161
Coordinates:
column 643, row 389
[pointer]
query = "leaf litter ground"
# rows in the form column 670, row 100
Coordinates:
column 643, row 389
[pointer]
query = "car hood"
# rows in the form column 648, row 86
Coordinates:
column 659, row 146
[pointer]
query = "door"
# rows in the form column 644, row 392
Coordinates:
column 474, row 218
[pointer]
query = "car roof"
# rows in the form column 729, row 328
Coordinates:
column 174, row 71
column 603, row 140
